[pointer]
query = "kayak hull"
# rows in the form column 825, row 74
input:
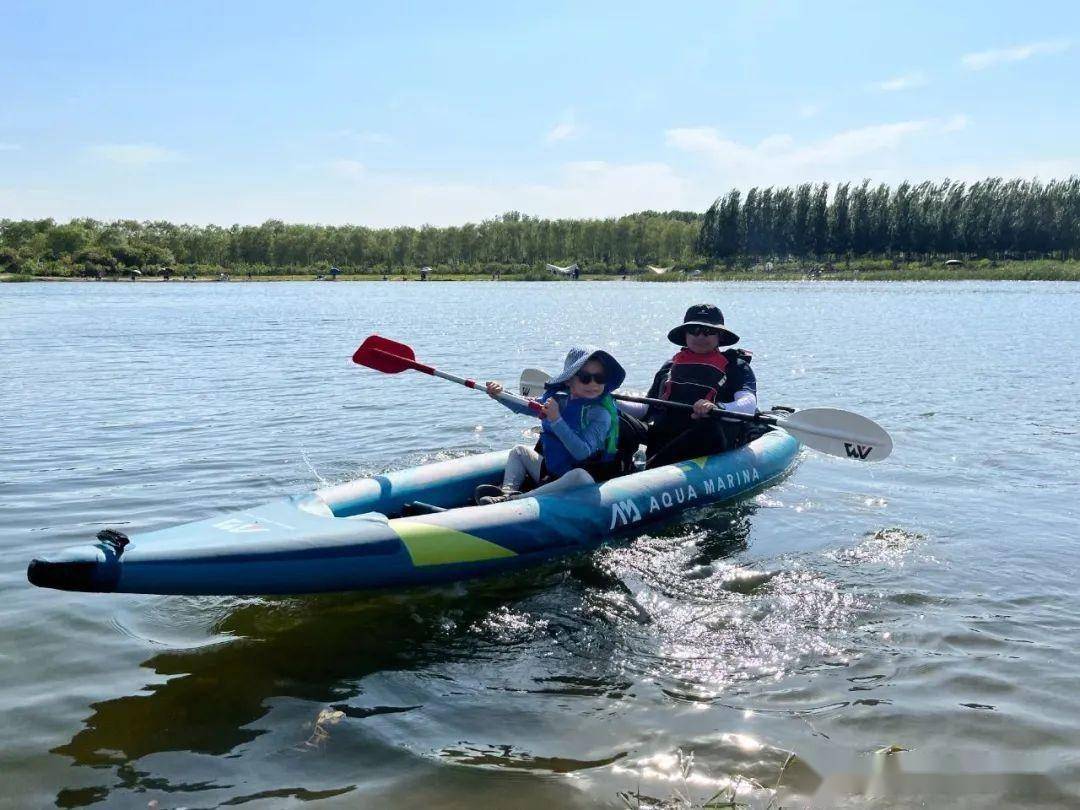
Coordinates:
column 349, row 537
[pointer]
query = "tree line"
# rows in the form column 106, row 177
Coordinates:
column 991, row 218
column 512, row 242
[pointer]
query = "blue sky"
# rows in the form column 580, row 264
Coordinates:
column 411, row 113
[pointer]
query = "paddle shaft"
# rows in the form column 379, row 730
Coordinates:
column 759, row 418
column 681, row 406
column 424, row 368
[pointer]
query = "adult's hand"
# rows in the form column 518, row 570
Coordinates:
column 703, row 409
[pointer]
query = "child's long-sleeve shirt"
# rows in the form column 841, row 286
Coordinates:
column 578, row 441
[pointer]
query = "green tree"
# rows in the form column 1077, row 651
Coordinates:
column 819, row 220
column 63, row 240
column 840, row 220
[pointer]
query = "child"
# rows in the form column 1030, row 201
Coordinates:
column 580, row 426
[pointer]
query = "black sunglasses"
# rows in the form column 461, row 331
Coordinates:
column 702, row 330
column 586, row 378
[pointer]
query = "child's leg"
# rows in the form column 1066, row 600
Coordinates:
column 523, row 461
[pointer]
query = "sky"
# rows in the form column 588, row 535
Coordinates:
column 408, row 113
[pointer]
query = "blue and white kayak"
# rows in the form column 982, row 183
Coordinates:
column 355, row 536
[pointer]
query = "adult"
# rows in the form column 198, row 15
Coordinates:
column 708, row 375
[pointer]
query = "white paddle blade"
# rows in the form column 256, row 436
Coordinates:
column 532, row 382
column 839, row 433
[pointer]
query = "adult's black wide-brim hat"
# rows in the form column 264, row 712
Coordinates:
column 703, row 315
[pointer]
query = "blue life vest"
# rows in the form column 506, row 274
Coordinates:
column 575, row 412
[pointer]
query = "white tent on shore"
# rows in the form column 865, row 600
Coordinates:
column 565, row 271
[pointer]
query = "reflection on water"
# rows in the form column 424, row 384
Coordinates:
column 313, row 648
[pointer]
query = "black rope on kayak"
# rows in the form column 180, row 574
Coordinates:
column 114, row 539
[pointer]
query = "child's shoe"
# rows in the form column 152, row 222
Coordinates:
column 486, row 491
column 492, row 494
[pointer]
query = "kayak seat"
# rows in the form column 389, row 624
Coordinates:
column 632, row 433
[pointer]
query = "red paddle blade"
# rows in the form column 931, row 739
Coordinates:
column 385, row 355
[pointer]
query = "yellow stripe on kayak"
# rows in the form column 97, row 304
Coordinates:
column 437, row 545
column 700, row 461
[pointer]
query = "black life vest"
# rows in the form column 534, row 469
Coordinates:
column 694, row 376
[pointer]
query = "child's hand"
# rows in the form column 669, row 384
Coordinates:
column 551, row 410
column 703, row 408
column 494, row 389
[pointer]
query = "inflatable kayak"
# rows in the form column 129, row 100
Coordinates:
column 405, row 528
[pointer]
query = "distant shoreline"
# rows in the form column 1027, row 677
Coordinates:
column 1035, row 270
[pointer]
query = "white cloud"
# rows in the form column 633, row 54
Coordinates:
column 578, row 189
column 971, row 172
column 780, row 160
column 561, row 132
column 363, row 136
column 781, row 150
column 351, row 169
column 132, row 154
column 905, row 82
column 774, row 143
column 566, row 129
column 601, row 189
column 985, row 59
column 955, row 123
column 809, row 110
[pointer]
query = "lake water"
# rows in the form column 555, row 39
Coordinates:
column 928, row 603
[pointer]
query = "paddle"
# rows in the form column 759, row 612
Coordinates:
column 532, row 382
column 391, row 357
column 827, row 430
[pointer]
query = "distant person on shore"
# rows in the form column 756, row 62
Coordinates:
column 703, row 375
column 579, row 426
